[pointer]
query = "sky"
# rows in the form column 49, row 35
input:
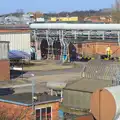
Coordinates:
column 8, row 6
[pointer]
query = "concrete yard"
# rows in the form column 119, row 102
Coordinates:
column 43, row 76
column 46, row 65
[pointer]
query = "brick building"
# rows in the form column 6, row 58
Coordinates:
column 97, row 48
column 4, row 61
column 20, row 105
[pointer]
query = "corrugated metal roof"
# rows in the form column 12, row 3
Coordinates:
column 14, row 31
column 88, row 85
column 101, row 69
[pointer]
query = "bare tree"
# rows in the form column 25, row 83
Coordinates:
column 116, row 12
column 16, row 114
column 37, row 14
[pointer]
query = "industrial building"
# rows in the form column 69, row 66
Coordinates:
column 4, row 61
column 44, row 106
column 19, row 39
column 97, row 74
column 100, row 36
column 64, row 19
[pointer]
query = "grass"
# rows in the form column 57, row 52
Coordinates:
column 46, row 67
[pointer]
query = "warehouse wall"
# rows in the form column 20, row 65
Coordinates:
column 76, row 99
column 18, row 41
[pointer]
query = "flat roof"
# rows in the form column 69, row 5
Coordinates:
column 26, row 99
column 13, row 31
column 88, row 85
column 70, row 26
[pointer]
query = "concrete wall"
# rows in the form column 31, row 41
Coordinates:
column 4, row 70
column 13, row 111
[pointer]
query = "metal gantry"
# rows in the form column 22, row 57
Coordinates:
column 78, row 34
column 67, row 36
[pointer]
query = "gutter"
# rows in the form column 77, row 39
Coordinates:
column 51, row 101
column 35, row 103
column 12, row 102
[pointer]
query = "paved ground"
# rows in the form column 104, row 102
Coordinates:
column 53, row 72
column 44, row 76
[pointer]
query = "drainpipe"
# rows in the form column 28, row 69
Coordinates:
column 47, row 38
column 36, row 44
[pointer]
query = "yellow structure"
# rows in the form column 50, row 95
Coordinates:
column 54, row 19
column 109, row 51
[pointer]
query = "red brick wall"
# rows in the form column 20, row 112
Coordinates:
column 89, row 117
column 4, row 70
column 93, row 48
column 13, row 111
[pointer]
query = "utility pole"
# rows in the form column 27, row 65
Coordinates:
column 33, row 92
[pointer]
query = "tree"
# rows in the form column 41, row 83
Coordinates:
column 19, row 12
column 19, row 113
column 37, row 14
column 116, row 12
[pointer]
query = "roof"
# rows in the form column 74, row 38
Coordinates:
column 26, row 99
column 70, row 26
column 102, row 70
column 14, row 31
column 88, row 85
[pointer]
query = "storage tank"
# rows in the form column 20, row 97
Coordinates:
column 105, row 103
column 56, row 85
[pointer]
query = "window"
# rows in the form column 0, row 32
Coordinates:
column 48, row 113
column 44, row 114
column 38, row 114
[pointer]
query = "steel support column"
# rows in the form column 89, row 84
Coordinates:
column 36, row 43
column 89, row 35
column 47, row 38
column 118, row 37
column 103, row 37
column 75, row 35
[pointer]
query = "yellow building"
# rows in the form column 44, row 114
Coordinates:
column 68, row 19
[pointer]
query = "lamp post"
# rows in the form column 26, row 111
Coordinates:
column 33, row 91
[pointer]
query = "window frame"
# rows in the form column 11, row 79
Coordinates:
column 45, row 111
